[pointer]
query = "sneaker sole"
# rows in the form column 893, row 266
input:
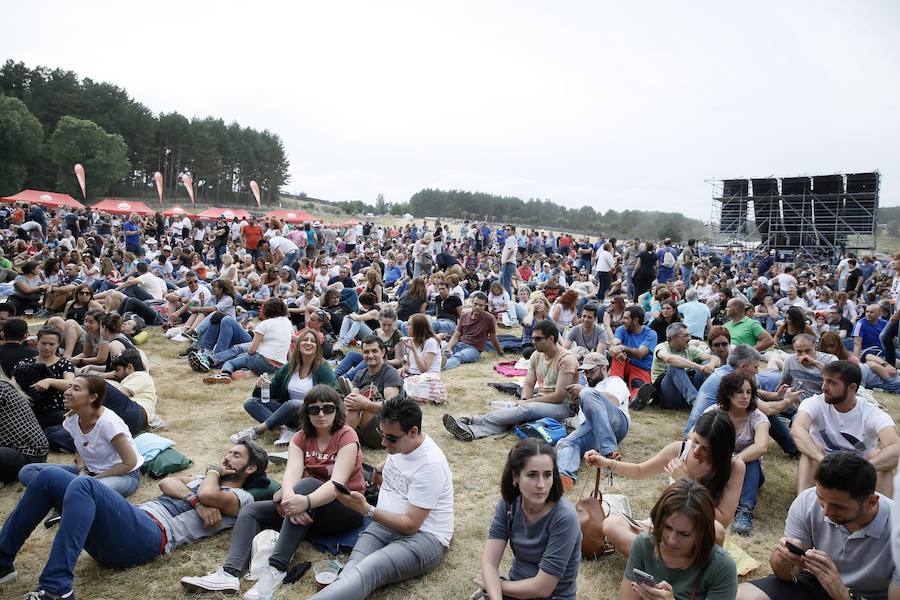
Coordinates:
column 455, row 430
column 644, row 398
column 198, row 589
column 214, row 380
column 277, row 460
column 8, row 578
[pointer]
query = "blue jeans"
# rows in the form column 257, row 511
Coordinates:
column 351, row 365
column 604, row 427
column 629, row 283
column 462, row 354
column 686, row 273
column 753, row 480
column 274, row 413
column 871, row 380
column 223, row 336
column 252, row 362
column 447, row 325
column 117, row 534
column 887, row 336
column 352, row 330
column 124, row 485
column 506, row 276
column 678, row 389
column 501, row 420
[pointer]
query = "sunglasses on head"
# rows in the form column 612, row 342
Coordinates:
column 327, row 409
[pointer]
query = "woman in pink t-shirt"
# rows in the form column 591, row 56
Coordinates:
column 325, row 450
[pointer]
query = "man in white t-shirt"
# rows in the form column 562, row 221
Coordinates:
column 837, row 420
column 145, row 286
column 603, row 418
column 413, row 521
column 284, row 251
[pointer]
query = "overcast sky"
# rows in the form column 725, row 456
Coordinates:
column 610, row 104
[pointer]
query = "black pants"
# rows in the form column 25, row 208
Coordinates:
column 12, row 460
column 140, row 308
column 330, row 519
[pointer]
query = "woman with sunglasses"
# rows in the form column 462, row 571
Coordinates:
column 706, row 456
column 325, row 450
column 538, row 524
column 290, row 385
column 72, row 321
column 719, row 340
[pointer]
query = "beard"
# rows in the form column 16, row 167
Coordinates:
column 834, row 399
column 236, row 476
column 592, row 381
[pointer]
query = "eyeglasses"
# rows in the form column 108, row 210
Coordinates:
column 393, row 439
column 327, row 409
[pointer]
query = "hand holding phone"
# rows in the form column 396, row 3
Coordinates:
column 340, row 487
column 794, row 549
column 642, row 578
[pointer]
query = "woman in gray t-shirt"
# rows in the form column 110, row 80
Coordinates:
column 539, row 525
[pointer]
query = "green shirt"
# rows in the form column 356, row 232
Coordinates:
column 745, row 331
column 4, row 262
column 716, row 580
column 659, row 365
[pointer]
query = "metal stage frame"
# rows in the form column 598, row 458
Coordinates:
column 817, row 217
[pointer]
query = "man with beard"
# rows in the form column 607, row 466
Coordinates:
column 118, row 534
column 836, row 420
column 837, row 539
column 603, row 419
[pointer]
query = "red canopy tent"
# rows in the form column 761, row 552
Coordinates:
column 44, row 199
column 177, row 211
column 291, row 216
column 123, row 207
column 211, row 214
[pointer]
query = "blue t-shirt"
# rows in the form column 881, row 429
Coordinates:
column 645, row 337
column 871, row 343
column 695, row 315
column 132, row 239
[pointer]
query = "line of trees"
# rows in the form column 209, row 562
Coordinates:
column 51, row 119
column 547, row 214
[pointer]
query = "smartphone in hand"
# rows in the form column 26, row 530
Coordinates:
column 795, row 549
column 640, row 577
column 340, row 487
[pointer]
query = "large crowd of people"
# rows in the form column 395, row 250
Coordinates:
column 351, row 332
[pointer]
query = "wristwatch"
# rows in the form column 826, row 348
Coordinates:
column 371, row 513
column 854, row 595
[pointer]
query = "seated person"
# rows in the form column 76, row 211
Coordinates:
column 680, row 551
column 587, row 336
column 678, row 370
column 325, row 449
column 390, row 335
column 803, row 369
column 121, row 535
column 843, row 527
column 795, row 323
column 500, row 305
column 539, row 525
column 737, row 397
column 413, row 521
column 866, row 333
column 22, row 441
column 44, row 378
column 71, row 323
column 746, row 330
column 266, row 352
column 551, row 369
column 14, row 347
column 448, row 309
column 132, row 391
column 471, row 336
column 359, row 324
column 537, row 309
column 837, row 420
column 279, row 409
column 371, row 386
column 94, row 348
column 603, row 417
column 217, row 342
column 746, row 359
column 706, row 456
column 422, row 348
column 104, row 448
column 631, row 350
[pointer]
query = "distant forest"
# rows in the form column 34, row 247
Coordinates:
column 52, row 119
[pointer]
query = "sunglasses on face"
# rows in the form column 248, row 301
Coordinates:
column 393, row 439
column 720, row 344
column 327, row 409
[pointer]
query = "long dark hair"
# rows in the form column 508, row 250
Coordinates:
column 693, row 500
column 717, row 428
column 515, row 462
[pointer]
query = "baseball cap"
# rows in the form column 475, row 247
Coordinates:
column 592, row 361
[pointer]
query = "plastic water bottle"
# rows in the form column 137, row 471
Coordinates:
column 264, row 391
column 265, row 585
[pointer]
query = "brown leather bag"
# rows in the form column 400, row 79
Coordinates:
column 590, row 517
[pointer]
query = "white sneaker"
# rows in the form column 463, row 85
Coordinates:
column 273, row 574
column 278, row 458
column 218, row 581
column 173, row 331
column 244, row 434
column 180, row 338
column 285, row 438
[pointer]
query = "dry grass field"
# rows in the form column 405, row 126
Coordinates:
column 200, row 418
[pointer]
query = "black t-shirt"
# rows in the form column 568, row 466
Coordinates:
column 853, row 279
column 445, row 260
column 407, row 306
column 372, row 387
column 446, row 309
column 347, row 281
column 12, row 352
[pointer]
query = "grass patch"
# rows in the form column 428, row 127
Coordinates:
column 200, row 418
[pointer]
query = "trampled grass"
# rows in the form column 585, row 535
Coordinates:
column 200, row 418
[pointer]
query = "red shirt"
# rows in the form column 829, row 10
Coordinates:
column 320, row 463
column 525, row 273
column 476, row 333
column 252, row 234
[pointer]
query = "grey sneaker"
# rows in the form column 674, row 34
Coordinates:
column 346, row 385
column 743, row 521
column 245, row 434
column 285, row 438
column 456, row 429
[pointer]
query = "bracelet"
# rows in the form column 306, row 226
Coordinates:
column 308, row 503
